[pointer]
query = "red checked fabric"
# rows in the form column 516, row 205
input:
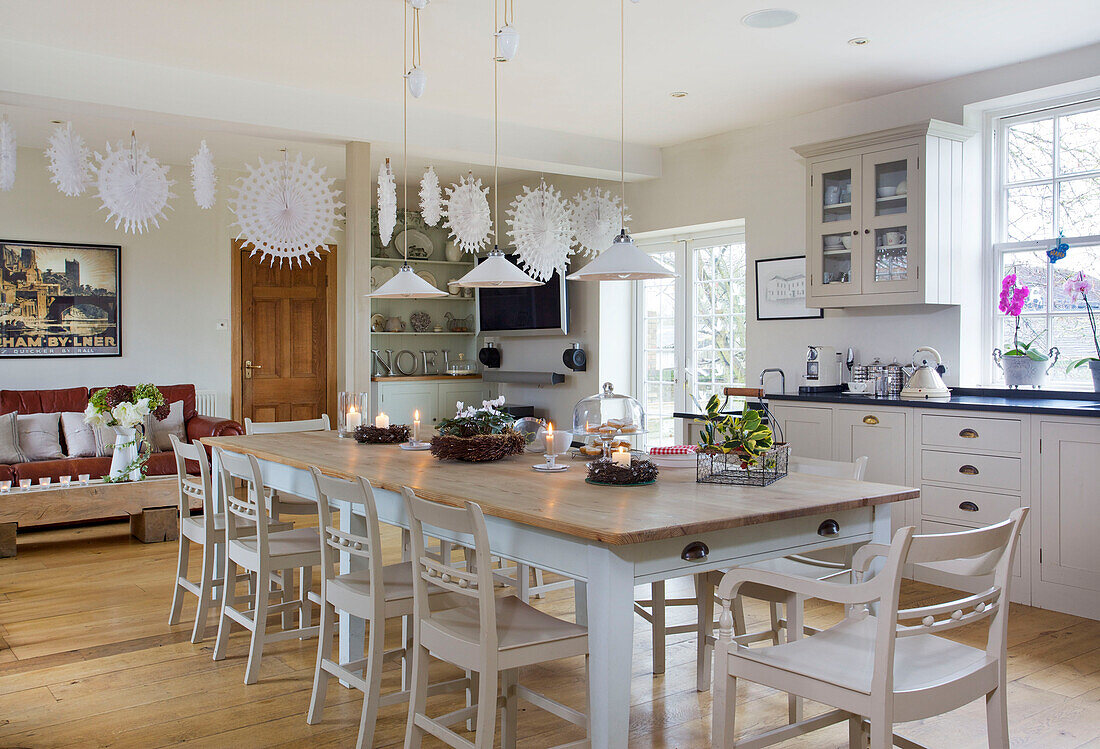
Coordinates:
column 673, row 450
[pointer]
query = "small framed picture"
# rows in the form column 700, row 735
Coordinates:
column 781, row 290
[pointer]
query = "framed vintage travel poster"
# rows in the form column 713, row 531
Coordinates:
column 781, row 289
column 59, row 300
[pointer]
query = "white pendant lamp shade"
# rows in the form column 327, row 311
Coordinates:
column 622, row 261
column 417, row 80
column 407, row 285
column 507, row 43
column 495, row 272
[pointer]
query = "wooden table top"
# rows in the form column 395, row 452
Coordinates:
column 675, row 506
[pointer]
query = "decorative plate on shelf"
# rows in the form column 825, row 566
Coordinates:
column 379, row 274
column 421, row 321
column 420, row 246
column 427, row 277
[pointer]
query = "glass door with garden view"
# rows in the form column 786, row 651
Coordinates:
column 690, row 331
column 1046, row 208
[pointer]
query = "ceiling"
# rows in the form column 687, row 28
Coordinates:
column 565, row 77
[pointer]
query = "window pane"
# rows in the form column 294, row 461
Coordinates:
column 1030, row 150
column 1033, row 330
column 1029, row 213
column 1072, row 334
column 1085, row 259
column 1079, row 142
column 1079, row 207
column 1031, row 271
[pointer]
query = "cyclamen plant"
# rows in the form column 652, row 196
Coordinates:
column 1011, row 302
column 471, row 421
column 1079, row 286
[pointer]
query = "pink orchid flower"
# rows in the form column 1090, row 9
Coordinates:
column 1077, row 285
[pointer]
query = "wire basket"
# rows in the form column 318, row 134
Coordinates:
column 715, row 467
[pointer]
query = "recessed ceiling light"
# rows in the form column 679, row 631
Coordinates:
column 770, row 18
column 56, row 122
column 859, row 41
column 678, row 94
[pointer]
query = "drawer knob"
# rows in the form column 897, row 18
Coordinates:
column 869, row 419
column 829, row 527
column 969, row 470
column 968, row 434
column 696, row 551
column 968, row 506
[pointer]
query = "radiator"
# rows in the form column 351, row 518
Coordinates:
column 205, row 402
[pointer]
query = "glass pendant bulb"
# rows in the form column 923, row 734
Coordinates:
column 418, row 4
column 507, row 43
column 495, row 272
column 416, row 79
column 622, row 261
column 407, row 285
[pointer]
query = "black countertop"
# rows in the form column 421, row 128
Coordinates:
column 1055, row 403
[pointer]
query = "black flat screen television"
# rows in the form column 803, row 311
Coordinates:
column 529, row 310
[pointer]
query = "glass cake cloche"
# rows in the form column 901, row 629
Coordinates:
column 608, row 421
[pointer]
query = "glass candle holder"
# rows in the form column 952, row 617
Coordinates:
column 5, row 487
column 65, row 480
column 84, row 479
column 45, row 481
column 352, row 410
column 24, row 484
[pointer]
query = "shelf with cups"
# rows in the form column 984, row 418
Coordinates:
column 416, row 261
column 425, row 332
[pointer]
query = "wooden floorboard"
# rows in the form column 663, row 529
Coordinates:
column 87, row 658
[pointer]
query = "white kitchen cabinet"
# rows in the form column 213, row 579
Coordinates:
column 809, row 429
column 878, row 433
column 469, row 393
column 884, row 216
column 435, row 399
column 1068, row 485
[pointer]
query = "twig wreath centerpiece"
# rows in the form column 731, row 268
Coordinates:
column 124, row 408
column 605, row 471
column 738, row 450
column 478, row 435
column 369, row 434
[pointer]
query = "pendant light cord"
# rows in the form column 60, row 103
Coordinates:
column 622, row 112
column 496, row 126
column 405, row 127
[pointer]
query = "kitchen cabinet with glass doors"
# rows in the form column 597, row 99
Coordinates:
column 884, row 222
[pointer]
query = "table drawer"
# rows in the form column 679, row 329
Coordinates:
column 931, row 526
column 966, row 505
column 969, row 432
column 979, row 471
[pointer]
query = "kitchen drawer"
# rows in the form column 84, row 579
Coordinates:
column 931, row 526
column 979, row 471
column 966, row 505
column 969, row 432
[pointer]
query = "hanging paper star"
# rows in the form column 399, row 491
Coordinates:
column 431, row 198
column 8, row 153
column 387, row 202
column 540, row 228
column 70, row 161
column 468, row 215
column 204, row 181
column 133, row 186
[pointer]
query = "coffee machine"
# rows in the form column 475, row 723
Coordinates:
column 822, row 372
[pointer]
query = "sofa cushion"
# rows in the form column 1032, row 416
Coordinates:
column 43, row 401
column 80, row 437
column 7, row 474
column 157, row 432
column 9, row 439
column 38, row 436
column 162, row 464
column 55, row 469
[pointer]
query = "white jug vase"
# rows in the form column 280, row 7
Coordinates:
column 127, row 444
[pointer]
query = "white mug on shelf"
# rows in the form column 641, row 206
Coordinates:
column 893, row 238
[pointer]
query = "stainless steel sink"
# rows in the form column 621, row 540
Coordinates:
column 1093, row 406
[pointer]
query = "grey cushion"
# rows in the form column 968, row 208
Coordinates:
column 104, row 441
column 79, row 436
column 157, row 432
column 9, row 440
column 38, row 436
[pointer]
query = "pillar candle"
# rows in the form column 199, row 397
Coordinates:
column 549, row 439
column 416, row 426
column 381, row 420
column 621, row 457
column 354, row 418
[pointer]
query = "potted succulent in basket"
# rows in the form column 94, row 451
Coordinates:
column 478, row 434
column 1078, row 285
column 747, row 436
column 1023, row 364
column 124, row 408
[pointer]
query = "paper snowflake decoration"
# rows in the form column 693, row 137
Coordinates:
column 204, row 182
column 431, row 198
column 70, row 161
column 468, row 216
column 133, row 186
column 287, row 209
column 540, row 229
column 596, row 218
column 8, row 154
column 387, row 202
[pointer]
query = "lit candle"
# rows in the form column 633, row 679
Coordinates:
column 65, row 480
column 24, row 484
column 621, row 457
column 353, row 419
column 416, row 427
column 549, row 439
column 382, row 421
column 44, row 481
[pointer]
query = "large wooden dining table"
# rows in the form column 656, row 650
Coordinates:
column 608, row 539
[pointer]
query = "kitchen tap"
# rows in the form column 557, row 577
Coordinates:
column 782, row 378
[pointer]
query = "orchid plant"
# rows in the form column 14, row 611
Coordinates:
column 1079, row 286
column 1011, row 303
column 471, row 420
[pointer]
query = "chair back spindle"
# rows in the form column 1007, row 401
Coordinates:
column 320, row 424
column 334, row 540
column 190, row 486
column 249, row 507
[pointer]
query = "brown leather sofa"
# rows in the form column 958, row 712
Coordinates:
column 76, row 399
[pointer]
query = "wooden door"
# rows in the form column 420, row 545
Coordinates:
column 285, row 334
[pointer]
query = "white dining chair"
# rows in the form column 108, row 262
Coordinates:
column 262, row 554
column 489, row 635
column 886, row 667
column 208, row 531
column 376, row 593
column 279, row 502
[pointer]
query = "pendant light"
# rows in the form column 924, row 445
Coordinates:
column 495, row 272
column 623, row 260
column 406, row 284
column 415, row 78
column 507, row 37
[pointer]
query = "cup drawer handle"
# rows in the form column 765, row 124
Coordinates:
column 968, row 506
column 969, row 470
column 829, row 527
column 968, row 434
column 869, row 419
column 696, row 551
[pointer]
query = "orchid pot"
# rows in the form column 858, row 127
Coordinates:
column 1094, row 367
column 1025, row 370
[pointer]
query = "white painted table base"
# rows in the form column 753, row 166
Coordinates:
column 606, row 576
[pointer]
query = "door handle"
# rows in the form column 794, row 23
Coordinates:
column 968, row 433
column 872, row 420
column 828, row 528
column 248, row 367
column 968, row 506
column 969, row 470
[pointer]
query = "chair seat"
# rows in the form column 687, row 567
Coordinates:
column 518, row 625
column 286, row 543
column 195, row 529
column 397, row 579
column 844, row 656
column 292, row 504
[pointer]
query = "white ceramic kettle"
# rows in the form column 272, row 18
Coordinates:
column 925, row 382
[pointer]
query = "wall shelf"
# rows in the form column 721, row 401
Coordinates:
column 414, row 261
column 427, row 332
